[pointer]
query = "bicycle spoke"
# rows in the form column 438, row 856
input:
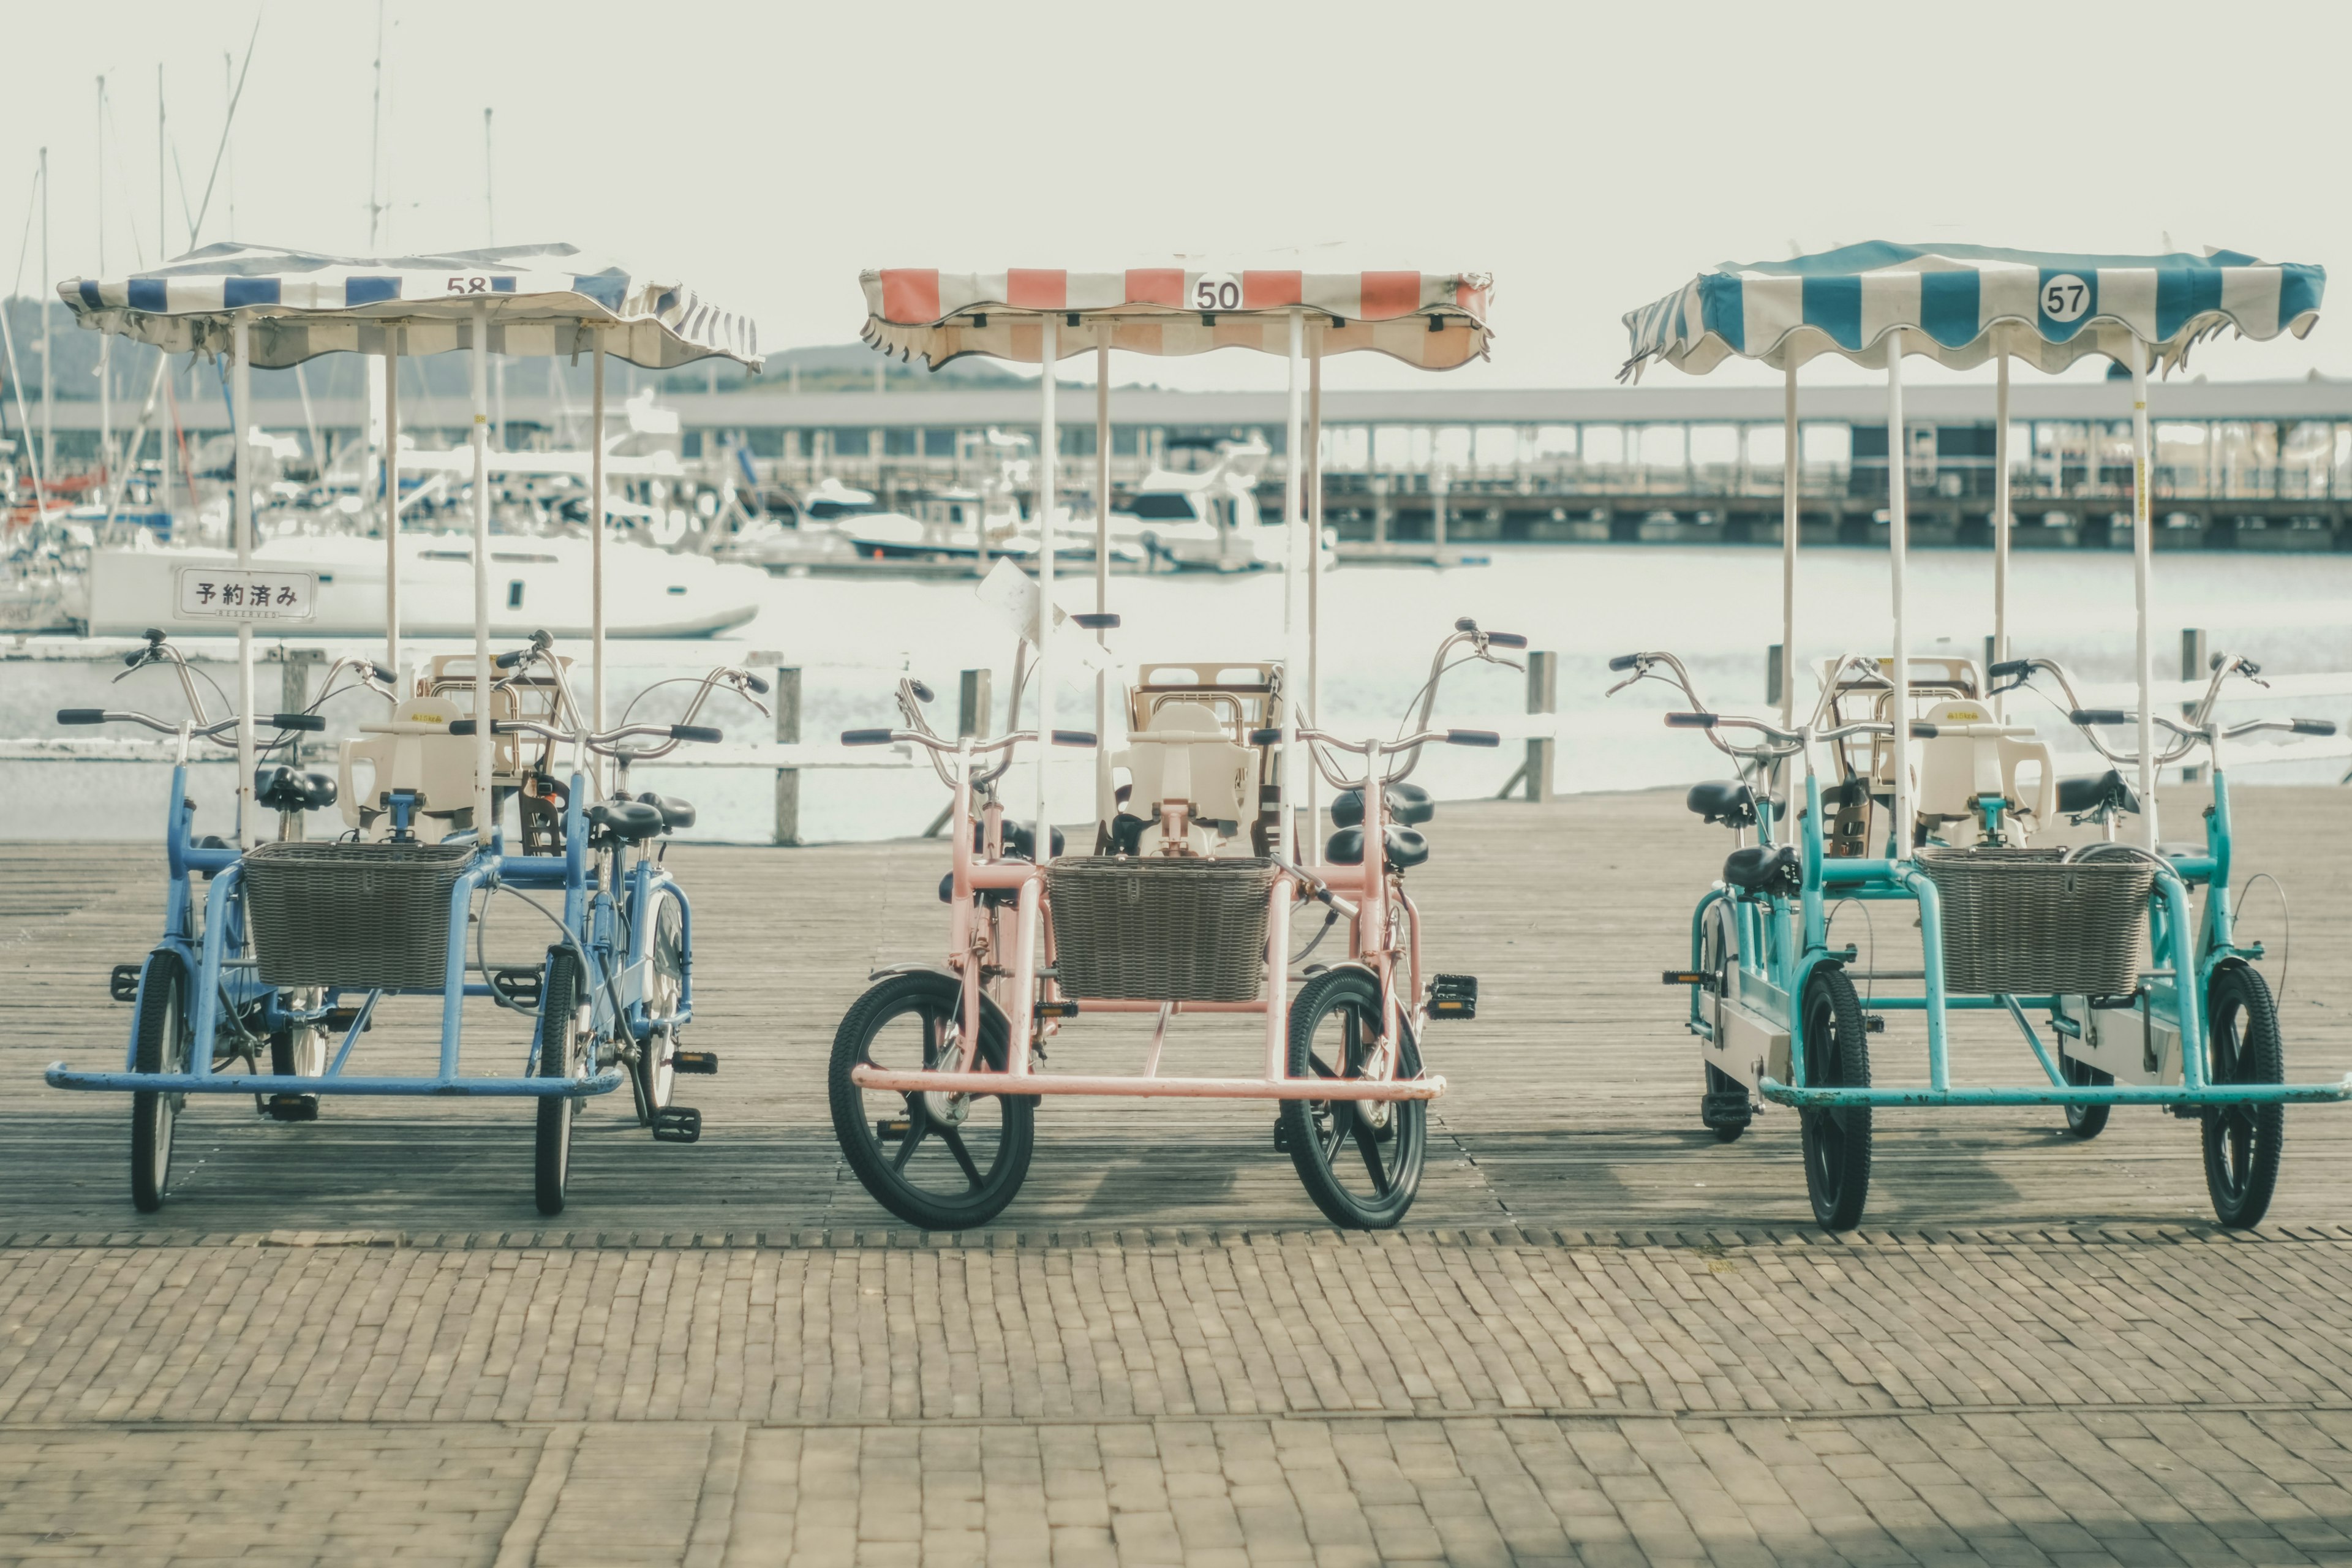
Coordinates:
column 915, row 1132
column 1369, row 1146
column 954, row 1140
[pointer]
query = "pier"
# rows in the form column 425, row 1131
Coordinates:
column 1599, row 1337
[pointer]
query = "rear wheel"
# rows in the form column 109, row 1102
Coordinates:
column 299, row 1052
column 656, row 1067
column 560, row 1046
column 1359, row 1159
column 1723, row 1107
column 2085, row 1120
column 163, row 1045
column 940, row 1161
column 2242, row 1141
column 1836, row 1138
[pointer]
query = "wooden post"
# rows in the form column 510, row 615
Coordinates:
column 2193, row 666
column 294, row 681
column 1775, row 673
column 788, row 733
column 972, row 704
column 1379, row 511
column 1543, row 697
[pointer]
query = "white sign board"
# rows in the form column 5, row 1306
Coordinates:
column 1012, row 594
column 229, row 593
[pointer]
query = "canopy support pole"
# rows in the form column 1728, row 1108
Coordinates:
column 1314, row 460
column 484, row 823
column 1103, row 802
column 596, row 509
column 1791, row 484
column 240, row 523
column 1292, row 665
column 2142, row 551
column 2001, row 519
column 1049, row 467
column 391, row 509
column 1898, row 484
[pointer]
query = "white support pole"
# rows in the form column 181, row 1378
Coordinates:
column 1898, row 483
column 596, row 509
column 1103, row 790
column 2001, row 523
column 2143, row 553
column 1314, row 460
column 1049, row 467
column 390, row 508
column 1292, row 665
column 484, row 823
column 240, row 526
column 1791, row 487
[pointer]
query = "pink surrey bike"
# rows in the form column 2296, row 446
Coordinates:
column 936, row 1070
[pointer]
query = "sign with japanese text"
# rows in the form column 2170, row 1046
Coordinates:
column 231, row 594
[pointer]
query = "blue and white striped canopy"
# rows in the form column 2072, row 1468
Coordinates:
column 541, row 299
column 1960, row 304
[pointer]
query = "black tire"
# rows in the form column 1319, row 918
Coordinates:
column 939, row 1162
column 2085, row 1121
column 1718, row 958
column 2242, row 1141
column 558, row 1056
column 166, row 1038
column 1370, row 1187
column 1836, row 1139
column 655, row 1072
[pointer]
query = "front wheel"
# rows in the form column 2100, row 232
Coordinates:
column 1359, row 1159
column 940, row 1161
column 2242, row 1141
column 164, row 1040
column 656, row 1072
column 558, row 1056
column 2085, row 1120
column 1836, row 1138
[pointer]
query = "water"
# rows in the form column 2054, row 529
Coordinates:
column 1717, row 607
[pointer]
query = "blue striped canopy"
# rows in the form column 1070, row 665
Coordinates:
column 542, row 299
column 1959, row 304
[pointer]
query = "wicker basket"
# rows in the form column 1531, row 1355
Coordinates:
column 2031, row 923
column 1160, row 930
column 352, row 914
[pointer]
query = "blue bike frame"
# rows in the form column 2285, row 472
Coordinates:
column 1781, row 941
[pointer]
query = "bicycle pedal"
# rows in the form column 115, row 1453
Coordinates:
column 677, row 1124
column 1281, row 1137
column 892, row 1130
column 1874, row 1023
column 293, row 1108
column 694, row 1061
column 1725, row 1107
column 1453, row 996
column 123, row 982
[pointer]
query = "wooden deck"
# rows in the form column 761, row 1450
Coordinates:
column 1573, row 1107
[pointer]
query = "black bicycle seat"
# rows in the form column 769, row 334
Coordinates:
column 1764, row 868
column 280, row 788
column 630, row 821
column 1404, row 847
column 1727, row 801
column 1409, row 805
column 675, row 812
column 2080, row 797
column 1020, row 842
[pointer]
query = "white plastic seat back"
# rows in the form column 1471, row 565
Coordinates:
column 1953, row 769
column 1186, row 756
column 415, row 752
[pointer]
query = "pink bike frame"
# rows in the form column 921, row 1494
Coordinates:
column 1371, row 944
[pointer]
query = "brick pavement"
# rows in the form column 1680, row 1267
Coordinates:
column 1993, row 1399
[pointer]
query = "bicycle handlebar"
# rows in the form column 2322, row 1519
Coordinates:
column 949, row 748
column 1364, row 748
column 607, row 743
column 305, row 722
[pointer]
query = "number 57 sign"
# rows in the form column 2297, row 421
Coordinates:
column 227, row 593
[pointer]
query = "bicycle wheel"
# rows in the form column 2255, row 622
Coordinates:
column 1359, row 1159
column 299, row 1052
column 164, row 1046
column 943, row 1162
column 1836, row 1139
column 1723, row 1105
column 560, row 1047
column 2085, row 1120
column 2242, row 1141
column 657, row 1065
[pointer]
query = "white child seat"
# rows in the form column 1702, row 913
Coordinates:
column 413, row 750
column 1187, row 757
column 1969, row 758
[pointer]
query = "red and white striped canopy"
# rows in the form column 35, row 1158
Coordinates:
column 1432, row 319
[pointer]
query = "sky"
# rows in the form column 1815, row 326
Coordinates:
column 1589, row 156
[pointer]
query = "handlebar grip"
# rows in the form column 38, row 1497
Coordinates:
column 1690, row 721
column 2008, row 668
column 309, row 721
column 922, row 692
column 2099, row 716
column 382, row 674
column 1506, row 639
column 759, row 686
column 465, row 726
column 1266, row 737
column 2312, row 726
column 1473, row 736
column 1624, row 661
column 1095, row 623
column 1074, row 737
column 508, row 660
column 137, row 657
column 865, row 737
column 1923, row 731
column 708, row 734
column 81, row 715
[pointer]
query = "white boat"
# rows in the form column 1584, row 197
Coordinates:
column 536, row 584
column 1205, row 520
